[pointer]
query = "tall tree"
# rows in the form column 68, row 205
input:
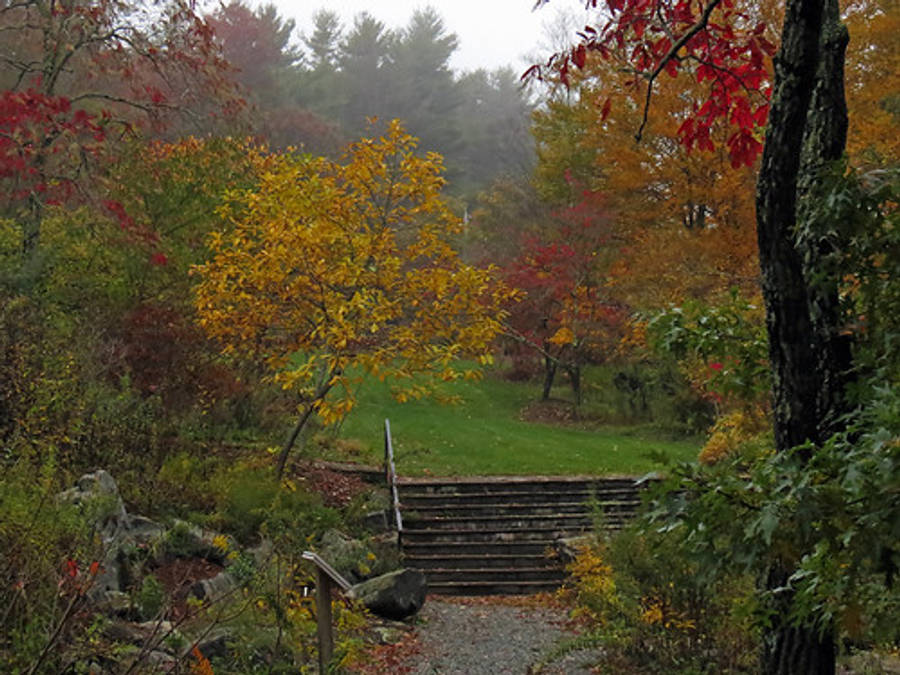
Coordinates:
column 258, row 44
column 364, row 61
column 494, row 124
column 689, row 213
column 335, row 269
column 809, row 351
column 807, row 124
column 269, row 68
column 323, row 43
column 873, row 82
column 423, row 92
column 318, row 89
column 567, row 315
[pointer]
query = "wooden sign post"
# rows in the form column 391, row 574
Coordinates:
column 323, row 619
column 326, row 579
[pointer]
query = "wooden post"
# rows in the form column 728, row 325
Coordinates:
column 326, row 578
column 323, row 619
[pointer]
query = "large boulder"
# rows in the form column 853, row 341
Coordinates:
column 215, row 588
column 97, row 495
column 395, row 595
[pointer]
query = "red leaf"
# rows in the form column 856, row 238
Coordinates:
column 604, row 112
column 579, row 56
column 672, row 67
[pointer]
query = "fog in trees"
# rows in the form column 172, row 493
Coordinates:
column 314, row 87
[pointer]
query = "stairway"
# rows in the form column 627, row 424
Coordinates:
column 496, row 536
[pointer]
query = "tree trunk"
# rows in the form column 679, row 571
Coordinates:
column 574, row 373
column 549, row 376
column 807, row 129
column 790, row 649
column 326, row 380
column 292, row 438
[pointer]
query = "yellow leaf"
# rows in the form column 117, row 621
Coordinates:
column 564, row 336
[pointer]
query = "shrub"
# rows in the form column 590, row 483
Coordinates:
column 656, row 612
column 151, row 598
column 47, row 555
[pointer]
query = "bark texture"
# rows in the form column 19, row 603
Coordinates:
column 810, row 360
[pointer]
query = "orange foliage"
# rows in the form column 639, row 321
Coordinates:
column 873, row 81
column 684, row 220
column 201, row 665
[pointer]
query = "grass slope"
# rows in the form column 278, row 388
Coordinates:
column 484, row 435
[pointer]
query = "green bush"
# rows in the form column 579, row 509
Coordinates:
column 296, row 518
column 245, row 502
column 185, row 484
column 252, row 503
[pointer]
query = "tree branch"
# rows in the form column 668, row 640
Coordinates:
column 669, row 55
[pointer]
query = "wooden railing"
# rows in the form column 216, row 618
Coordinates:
column 390, row 470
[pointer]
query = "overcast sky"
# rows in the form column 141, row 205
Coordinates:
column 492, row 33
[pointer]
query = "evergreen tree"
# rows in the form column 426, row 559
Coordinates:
column 318, row 88
column 364, row 62
column 423, row 89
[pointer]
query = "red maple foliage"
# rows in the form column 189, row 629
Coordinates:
column 567, row 315
column 721, row 42
column 33, row 126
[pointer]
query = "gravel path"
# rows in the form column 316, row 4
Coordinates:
column 459, row 636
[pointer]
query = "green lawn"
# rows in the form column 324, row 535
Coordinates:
column 484, row 435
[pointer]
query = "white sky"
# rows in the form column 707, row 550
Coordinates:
column 491, row 33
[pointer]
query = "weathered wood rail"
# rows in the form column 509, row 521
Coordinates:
column 390, row 469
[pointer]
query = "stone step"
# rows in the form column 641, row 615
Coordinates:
column 491, row 575
column 491, row 587
column 503, row 508
column 413, row 501
column 510, row 523
column 489, row 560
column 512, row 484
column 453, row 548
column 501, row 534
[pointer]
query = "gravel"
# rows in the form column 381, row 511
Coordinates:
column 460, row 636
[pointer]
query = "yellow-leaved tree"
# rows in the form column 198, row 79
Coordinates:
column 332, row 270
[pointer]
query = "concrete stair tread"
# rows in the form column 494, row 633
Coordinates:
column 413, row 502
column 504, row 535
column 501, row 517
column 487, row 530
column 489, row 556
